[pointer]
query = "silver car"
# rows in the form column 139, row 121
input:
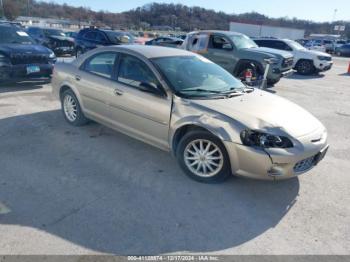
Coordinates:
column 183, row 103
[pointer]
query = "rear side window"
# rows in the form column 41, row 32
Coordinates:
column 264, row 43
column 198, row 43
column 101, row 64
column 90, row 35
column 133, row 72
column 34, row 31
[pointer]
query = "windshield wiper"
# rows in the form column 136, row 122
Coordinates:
column 202, row 90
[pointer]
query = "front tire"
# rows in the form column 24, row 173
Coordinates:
column 305, row 67
column 203, row 157
column 71, row 109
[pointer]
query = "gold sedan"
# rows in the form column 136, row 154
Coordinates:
column 183, row 103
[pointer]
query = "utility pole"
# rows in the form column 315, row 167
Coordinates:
column 2, row 8
column 28, row 8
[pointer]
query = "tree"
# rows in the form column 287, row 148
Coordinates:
column 11, row 9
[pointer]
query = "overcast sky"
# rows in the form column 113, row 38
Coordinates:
column 317, row 10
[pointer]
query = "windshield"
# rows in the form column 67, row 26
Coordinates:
column 53, row 32
column 242, row 41
column 10, row 35
column 295, row 45
column 115, row 37
column 196, row 76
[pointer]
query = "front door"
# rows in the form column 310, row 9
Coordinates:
column 221, row 52
column 141, row 114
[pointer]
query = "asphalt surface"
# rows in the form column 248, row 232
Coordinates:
column 89, row 190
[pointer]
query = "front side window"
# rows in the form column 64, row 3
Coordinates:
column 101, row 38
column 220, row 42
column 133, row 72
column 102, row 64
column 196, row 76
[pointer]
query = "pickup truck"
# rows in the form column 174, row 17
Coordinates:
column 237, row 53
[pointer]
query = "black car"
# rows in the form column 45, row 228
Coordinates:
column 343, row 50
column 21, row 58
column 166, row 41
column 71, row 34
column 90, row 38
column 54, row 39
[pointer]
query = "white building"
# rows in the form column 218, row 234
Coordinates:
column 64, row 24
column 257, row 31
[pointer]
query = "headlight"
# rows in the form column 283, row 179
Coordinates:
column 323, row 58
column 52, row 55
column 272, row 61
column 4, row 59
column 255, row 138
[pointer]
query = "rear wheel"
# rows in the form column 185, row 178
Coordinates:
column 203, row 157
column 249, row 68
column 71, row 109
column 305, row 67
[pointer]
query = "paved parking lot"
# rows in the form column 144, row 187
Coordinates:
column 67, row 190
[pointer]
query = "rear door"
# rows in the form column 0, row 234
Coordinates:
column 140, row 114
column 95, row 84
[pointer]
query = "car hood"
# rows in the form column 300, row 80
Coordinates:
column 61, row 38
column 312, row 52
column 260, row 110
column 268, row 52
column 24, row 49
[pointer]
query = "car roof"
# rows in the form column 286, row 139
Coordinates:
column 217, row 31
column 149, row 51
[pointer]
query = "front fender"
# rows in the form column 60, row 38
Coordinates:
column 185, row 113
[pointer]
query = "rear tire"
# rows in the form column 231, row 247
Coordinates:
column 78, row 52
column 71, row 109
column 305, row 67
column 203, row 157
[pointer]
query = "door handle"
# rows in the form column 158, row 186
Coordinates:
column 118, row 92
column 77, row 77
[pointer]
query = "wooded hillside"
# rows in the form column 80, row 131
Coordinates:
column 155, row 14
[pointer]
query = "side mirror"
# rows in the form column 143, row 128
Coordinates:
column 150, row 88
column 124, row 39
column 227, row 47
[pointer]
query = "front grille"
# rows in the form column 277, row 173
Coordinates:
column 304, row 165
column 63, row 44
column 287, row 62
column 24, row 59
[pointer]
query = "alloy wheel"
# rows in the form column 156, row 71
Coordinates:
column 70, row 108
column 203, row 158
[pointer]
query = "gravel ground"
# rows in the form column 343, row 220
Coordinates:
column 89, row 190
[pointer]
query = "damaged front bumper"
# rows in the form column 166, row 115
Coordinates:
column 276, row 163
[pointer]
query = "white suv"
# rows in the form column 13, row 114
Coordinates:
column 306, row 62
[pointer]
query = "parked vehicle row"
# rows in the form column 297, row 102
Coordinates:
column 54, row 39
column 305, row 61
column 21, row 58
column 182, row 102
column 239, row 54
column 324, row 45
